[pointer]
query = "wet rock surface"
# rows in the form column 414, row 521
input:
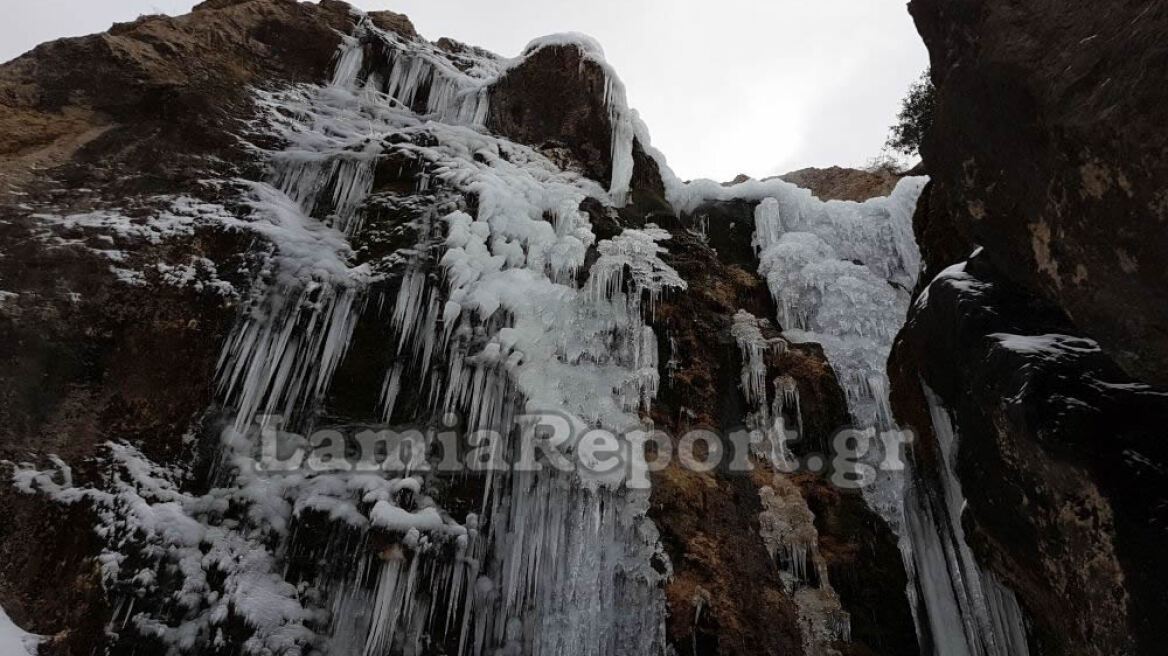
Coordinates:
column 1047, row 347
column 1048, row 148
column 1057, row 452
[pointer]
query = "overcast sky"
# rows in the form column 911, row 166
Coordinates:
column 726, row 87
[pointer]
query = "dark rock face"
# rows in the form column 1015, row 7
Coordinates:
column 734, row 229
column 1060, row 454
column 556, row 100
column 1048, row 150
column 109, row 121
column 864, row 567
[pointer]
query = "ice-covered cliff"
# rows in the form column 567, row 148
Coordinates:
column 269, row 226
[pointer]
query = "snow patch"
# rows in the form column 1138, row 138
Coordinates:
column 14, row 641
column 1053, row 346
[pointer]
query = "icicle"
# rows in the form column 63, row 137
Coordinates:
column 754, row 346
column 350, row 56
column 968, row 611
column 622, row 139
column 281, row 361
column 389, row 392
column 674, row 362
column 494, row 325
column 787, row 398
column 787, row 528
column 840, row 273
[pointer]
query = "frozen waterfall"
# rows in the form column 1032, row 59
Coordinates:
column 504, row 302
column 492, row 313
column 841, row 274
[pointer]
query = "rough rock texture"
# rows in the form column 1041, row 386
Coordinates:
column 837, row 183
column 1061, row 455
column 1048, row 149
column 155, row 94
column 555, row 101
column 726, row 596
column 394, row 22
column 107, row 122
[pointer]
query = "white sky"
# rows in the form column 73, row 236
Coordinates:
column 734, row 86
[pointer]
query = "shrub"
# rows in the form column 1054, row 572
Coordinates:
column 915, row 118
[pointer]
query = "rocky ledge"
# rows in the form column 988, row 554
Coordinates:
column 1038, row 329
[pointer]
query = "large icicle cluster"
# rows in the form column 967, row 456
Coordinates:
column 840, row 271
column 564, row 553
column 492, row 320
column 968, row 611
column 769, row 417
column 515, row 332
column 787, row 527
column 841, row 274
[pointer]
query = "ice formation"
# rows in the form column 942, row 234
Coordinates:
column 15, row 641
column 768, row 417
column 968, row 611
column 494, row 312
column 488, row 317
column 787, row 527
column 622, row 118
column 841, row 275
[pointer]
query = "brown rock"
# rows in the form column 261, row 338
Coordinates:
column 109, row 120
column 556, row 98
column 394, row 22
column 158, row 85
column 837, row 183
column 1048, row 149
column 709, row 522
column 1060, row 455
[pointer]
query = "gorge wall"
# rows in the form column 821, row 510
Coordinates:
column 269, row 215
column 1038, row 327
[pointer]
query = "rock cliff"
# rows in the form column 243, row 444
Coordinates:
column 1031, row 363
column 280, row 219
